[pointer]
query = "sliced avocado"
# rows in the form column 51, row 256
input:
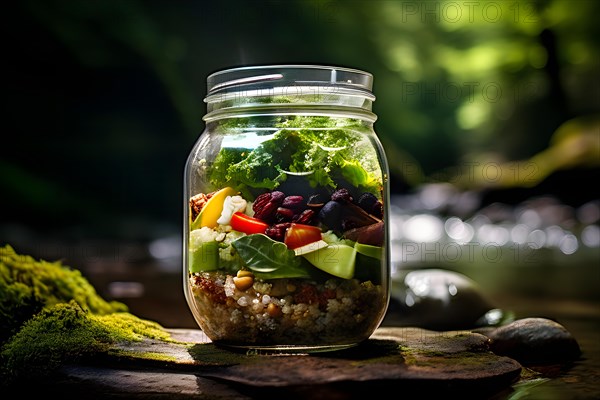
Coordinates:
column 336, row 259
column 369, row 250
column 204, row 258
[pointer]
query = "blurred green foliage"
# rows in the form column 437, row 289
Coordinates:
column 105, row 98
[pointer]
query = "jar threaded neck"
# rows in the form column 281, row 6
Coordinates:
column 297, row 89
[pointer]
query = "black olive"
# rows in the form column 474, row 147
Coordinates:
column 330, row 215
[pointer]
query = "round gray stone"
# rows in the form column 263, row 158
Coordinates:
column 534, row 340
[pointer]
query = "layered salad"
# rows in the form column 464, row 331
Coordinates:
column 286, row 239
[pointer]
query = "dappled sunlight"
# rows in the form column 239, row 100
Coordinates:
column 576, row 143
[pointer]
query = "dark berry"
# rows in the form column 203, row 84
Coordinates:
column 342, row 195
column 330, row 215
column 366, row 201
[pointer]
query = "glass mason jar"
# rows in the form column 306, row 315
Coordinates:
column 286, row 238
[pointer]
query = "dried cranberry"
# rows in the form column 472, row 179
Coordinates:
column 284, row 214
column 325, row 296
column 293, row 202
column 277, row 231
column 307, row 294
column 214, row 291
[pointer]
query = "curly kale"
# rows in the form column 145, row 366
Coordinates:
column 323, row 149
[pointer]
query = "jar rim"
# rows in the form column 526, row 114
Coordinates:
column 259, row 80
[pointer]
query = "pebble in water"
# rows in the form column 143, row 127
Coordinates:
column 534, row 340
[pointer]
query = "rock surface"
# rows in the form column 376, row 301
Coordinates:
column 438, row 363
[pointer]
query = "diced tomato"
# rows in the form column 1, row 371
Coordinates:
column 247, row 224
column 298, row 235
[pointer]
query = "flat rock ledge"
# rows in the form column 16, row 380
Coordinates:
column 454, row 364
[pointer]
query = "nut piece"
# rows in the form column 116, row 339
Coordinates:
column 273, row 310
column 305, row 217
column 197, row 202
column 244, row 272
column 265, row 205
column 243, row 282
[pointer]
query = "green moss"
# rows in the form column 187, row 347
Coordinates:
column 28, row 285
column 149, row 356
column 65, row 333
column 132, row 328
column 61, row 333
column 51, row 315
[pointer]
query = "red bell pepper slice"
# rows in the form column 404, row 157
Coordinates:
column 247, row 224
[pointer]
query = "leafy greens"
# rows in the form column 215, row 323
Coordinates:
column 317, row 147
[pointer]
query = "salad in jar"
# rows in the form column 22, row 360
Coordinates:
column 286, row 237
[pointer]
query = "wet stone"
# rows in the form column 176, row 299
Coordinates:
column 534, row 340
column 440, row 300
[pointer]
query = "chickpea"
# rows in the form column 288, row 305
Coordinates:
column 243, row 282
column 244, row 272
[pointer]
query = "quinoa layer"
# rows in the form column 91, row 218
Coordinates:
column 286, row 311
